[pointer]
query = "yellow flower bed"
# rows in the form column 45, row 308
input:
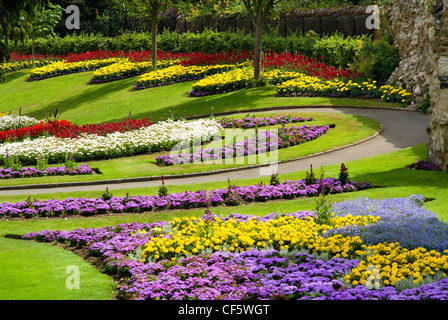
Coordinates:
column 385, row 262
column 125, row 68
column 394, row 263
column 19, row 65
column 178, row 73
column 192, row 235
column 64, row 67
column 312, row 86
column 238, row 79
column 227, row 81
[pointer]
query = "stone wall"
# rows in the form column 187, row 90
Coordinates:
column 437, row 79
column 411, row 24
column 420, row 30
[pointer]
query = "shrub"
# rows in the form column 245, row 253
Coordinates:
column 378, row 59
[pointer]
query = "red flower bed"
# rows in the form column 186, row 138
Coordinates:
column 271, row 60
column 66, row 129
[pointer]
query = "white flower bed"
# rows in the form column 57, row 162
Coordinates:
column 160, row 136
column 11, row 121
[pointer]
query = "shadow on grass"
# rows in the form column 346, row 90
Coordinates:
column 96, row 92
column 204, row 106
column 10, row 77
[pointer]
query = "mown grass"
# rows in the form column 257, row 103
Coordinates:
column 81, row 103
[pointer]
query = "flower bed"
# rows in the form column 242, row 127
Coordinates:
column 59, row 68
column 423, row 165
column 160, row 136
column 20, row 65
column 66, row 129
column 262, row 143
column 126, row 69
column 224, row 82
column 177, row 73
column 27, row 172
column 238, row 79
column 252, row 122
column 231, row 196
column 312, row 86
column 14, row 121
column 279, row 256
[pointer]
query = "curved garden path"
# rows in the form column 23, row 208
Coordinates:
column 401, row 129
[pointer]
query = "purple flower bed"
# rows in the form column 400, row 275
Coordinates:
column 26, row 172
column 252, row 122
column 401, row 220
column 141, row 87
column 264, row 142
column 233, row 195
column 422, row 165
column 253, row 274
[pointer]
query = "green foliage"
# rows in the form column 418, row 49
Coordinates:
column 274, row 180
column 44, row 23
column 323, row 211
column 337, row 50
column 426, row 104
column 70, row 161
column 378, row 59
column 11, row 161
column 309, row 177
column 343, row 175
column 106, row 195
column 42, row 163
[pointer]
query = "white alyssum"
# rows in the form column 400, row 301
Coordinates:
column 11, row 121
column 163, row 135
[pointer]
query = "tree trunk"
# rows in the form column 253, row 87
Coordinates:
column 32, row 49
column 258, row 48
column 154, row 24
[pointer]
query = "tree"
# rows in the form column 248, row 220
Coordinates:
column 155, row 9
column 258, row 11
column 43, row 24
column 10, row 31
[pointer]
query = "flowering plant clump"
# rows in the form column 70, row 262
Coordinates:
column 278, row 256
column 66, row 129
column 312, row 86
column 224, row 82
column 14, row 121
column 19, row 65
column 125, row 69
column 264, row 142
column 252, row 122
column 26, row 172
column 160, row 136
column 177, row 73
column 231, row 196
column 63, row 67
column 423, row 165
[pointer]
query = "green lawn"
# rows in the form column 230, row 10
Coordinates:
column 82, row 103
